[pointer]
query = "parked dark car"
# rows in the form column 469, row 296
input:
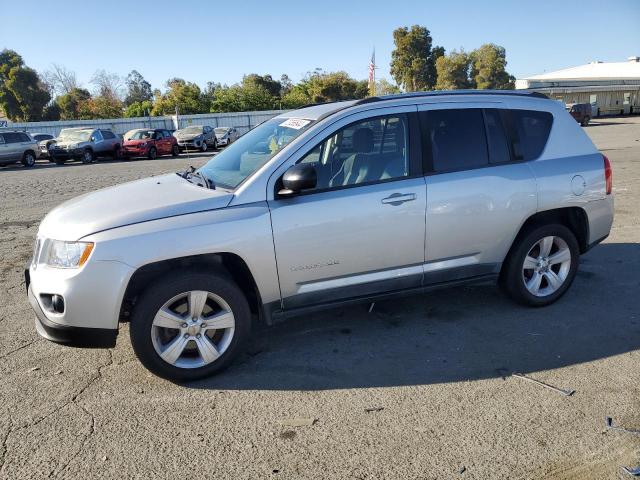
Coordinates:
column 581, row 112
column 85, row 144
column 150, row 143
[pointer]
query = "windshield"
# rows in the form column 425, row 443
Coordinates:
column 76, row 135
column 141, row 135
column 251, row 151
column 221, row 130
column 190, row 130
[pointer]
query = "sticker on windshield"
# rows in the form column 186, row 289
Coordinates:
column 295, row 123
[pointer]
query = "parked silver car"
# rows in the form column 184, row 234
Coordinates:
column 44, row 140
column 16, row 146
column 323, row 206
column 85, row 144
column 226, row 135
column 197, row 137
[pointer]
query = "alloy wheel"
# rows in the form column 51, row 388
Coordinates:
column 546, row 266
column 193, row 329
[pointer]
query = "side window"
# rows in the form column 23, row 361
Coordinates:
column 107, row 134
column 166, row 133
column 368, row 151
column 532, row 129
column 12, row 137
column 454, row 139
column 25, row 138
column 1, row 139
column 96, row 136
column 496, row 137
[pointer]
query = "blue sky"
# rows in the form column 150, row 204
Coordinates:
column 221, row 41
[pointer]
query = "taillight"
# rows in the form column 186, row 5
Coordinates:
column 608, row 175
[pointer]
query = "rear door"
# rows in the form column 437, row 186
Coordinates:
column 361, row 231
column 479, row 191
column 4, row 149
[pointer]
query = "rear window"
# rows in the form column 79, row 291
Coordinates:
column 531, row 129
column 456, row 138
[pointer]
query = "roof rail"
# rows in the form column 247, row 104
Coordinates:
column 437, row 93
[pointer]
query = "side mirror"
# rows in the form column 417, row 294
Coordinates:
column 302, row 176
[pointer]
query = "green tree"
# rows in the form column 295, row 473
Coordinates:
column 384, row 87
column 70, row 104
column 102, row 106
column 186, row 96
column 241, row 98
column 51, row 112
column 413, row 60
column 265, row 81
column 23, row 96
column 488, row 64
column 295, row 98
column 453, row 71
column 138, row 89
column 139, row 109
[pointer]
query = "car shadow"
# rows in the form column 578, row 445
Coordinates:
column 459, row 334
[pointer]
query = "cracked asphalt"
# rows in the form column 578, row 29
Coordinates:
column 418, row 388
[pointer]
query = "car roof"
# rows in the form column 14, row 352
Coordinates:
column 321, row 110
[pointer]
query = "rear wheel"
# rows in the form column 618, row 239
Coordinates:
column 190, row 326
column 541, row 265
column 204, row 147
column 175, row 150
column 585, row 121
column 29, row 159
column 153, row 153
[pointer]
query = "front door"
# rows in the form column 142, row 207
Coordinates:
column 361, row 230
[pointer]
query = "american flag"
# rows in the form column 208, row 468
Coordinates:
column 372, row 73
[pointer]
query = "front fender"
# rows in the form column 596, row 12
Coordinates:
column 244, row 230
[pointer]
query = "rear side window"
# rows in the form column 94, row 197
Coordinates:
column 531, row 132
column 25, row 138
column 454, row 139
column 107, row 134
column 499, row 151
column 11, row 137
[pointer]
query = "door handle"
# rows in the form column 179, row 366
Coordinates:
column 399, row 198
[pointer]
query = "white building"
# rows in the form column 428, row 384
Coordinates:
column 610, row 88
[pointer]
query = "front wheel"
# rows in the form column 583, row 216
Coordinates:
column 153, row 153
column 190, row 326
column 204, row 147
column 585, row 121
column 28, row 159
column 87, row 156
column 175, row 151
column 541, row 265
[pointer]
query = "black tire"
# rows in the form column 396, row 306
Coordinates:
column 29, row 159
column 511, row 277
column 116, row 153
column 585, row 121
column 88, row 156
column 153, row 153
column 174, row 284
column 215, row 144
column 175, row 151
column 204, row 147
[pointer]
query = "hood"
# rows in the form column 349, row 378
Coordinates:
column 66, row 143
column 222, row 135
column 138, row 141
column 186, row 135
column 134, row 202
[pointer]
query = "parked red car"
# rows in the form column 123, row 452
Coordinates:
column 150, row 143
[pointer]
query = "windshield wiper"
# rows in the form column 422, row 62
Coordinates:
column 197, row 178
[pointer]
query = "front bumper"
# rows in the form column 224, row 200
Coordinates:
column 92, row 298
column 68, row 335
column 134, row 152
column 189, row 143
column 64, row 154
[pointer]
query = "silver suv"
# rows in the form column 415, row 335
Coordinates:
column 85, row 144
column 17, row 147
column 319, row 207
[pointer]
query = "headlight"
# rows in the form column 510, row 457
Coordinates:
column 68, row 254
column 73, row 146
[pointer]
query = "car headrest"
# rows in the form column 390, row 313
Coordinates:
column 363, row 140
